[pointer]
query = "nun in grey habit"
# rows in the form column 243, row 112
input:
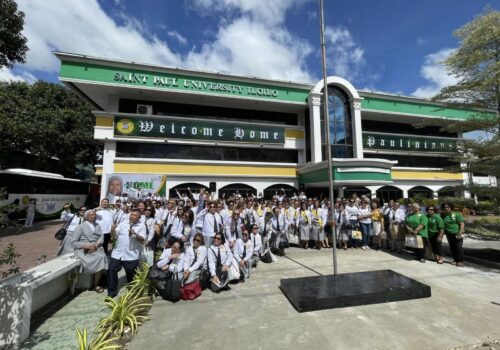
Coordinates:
column 87, row 240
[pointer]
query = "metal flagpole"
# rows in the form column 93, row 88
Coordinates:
column 327, row 135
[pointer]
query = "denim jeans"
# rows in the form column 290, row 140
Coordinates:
column 366, row 230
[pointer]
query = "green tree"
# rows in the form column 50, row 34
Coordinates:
column 13, row 46
column 47, row 121
column 476, row 64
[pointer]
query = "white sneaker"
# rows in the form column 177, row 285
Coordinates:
column 368, row 248
column 363, row 247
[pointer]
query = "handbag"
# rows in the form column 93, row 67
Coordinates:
column 147, row 255
column 157, row 274
column 284, row 244
column 61, row 233
column 205, row 279
column 414, row 241
column 356, row 234
column 172, row 288
column 383, row 234
column 221, row 275
column 191, row 291
column 266, row 257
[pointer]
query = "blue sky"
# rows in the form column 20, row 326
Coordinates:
column 392, row 46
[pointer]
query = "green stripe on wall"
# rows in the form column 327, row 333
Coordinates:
column 435, row 110
column 321, row 175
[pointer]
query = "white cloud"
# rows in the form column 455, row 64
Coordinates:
column 255, row 42
column 83, row 27
column 273, row 54
column 344, row 55
column 7, row 75
column 435, row 73
column 177, row 36
column 267, row 11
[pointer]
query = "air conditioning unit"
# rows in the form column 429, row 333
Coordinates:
column 144, row 109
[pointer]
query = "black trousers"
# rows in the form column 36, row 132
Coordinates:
column 435, row 245
column 105, row 243
column 114, row 266
column 456, row 247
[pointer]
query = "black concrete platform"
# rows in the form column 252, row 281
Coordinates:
column 351, row 289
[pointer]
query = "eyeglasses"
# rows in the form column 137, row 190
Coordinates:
column 217, row 238
column 212, row 206
column 255, row 228
column 198, row 240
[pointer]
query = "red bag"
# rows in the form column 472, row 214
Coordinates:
column 191, row 291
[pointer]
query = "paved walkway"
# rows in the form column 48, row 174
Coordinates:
column 33, row 243
column 56, row 328
column 463, row 310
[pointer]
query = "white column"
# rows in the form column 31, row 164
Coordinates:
column 373, row 190
column 356, row 128
column 108, row 158
column 315, row 126
column 405, row 192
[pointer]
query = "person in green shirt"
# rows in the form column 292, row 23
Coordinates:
column 454, row 229
column 436, row 231
column 416, row 223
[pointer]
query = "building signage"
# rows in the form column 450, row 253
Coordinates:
column 378, row 141
column 180, row 81
column 193, row 84
column 169, row 128
column 134, row 185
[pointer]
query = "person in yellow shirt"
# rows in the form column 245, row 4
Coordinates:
column 379, row 239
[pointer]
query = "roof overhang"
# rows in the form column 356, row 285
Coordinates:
column 96, row 79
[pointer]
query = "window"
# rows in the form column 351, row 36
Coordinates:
column 151, row 150
column 340, row 124
column 212, row 112
column 414, row 161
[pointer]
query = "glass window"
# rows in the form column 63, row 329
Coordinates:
column 340, row 124
column 150, row 150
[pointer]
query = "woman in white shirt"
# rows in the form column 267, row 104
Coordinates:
column 351, row 211
column 195, row 259
column 220, row 259
column 172, row 259
column 365, row 223
column 304, row 221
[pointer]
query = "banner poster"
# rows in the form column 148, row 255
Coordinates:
column 135, row 186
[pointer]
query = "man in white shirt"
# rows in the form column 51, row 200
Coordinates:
column 129, row 237
column 256, row 239
column 243, row 252
column 105, row 221
column 212, row 224
column 168, row 218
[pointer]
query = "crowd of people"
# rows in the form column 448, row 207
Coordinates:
column 198, row 237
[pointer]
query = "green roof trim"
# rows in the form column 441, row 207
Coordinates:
column 423, row 108
column 142, row 78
